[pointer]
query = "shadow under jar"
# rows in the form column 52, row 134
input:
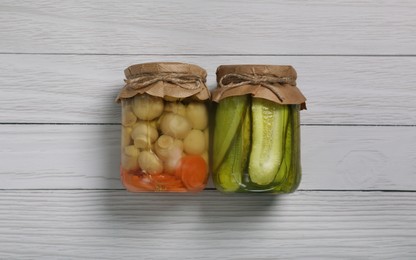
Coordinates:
column 256, row 140
column 164, row 137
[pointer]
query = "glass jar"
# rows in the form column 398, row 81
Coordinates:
column 164, row 136
column 256, row 142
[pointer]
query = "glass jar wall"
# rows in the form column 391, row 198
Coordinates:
column 258, row 148
column 165, row 129
column 256, row 139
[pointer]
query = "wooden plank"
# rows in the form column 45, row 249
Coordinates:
column 87, row 157
column 81, row 89
column 114, row 224
column 242, row 27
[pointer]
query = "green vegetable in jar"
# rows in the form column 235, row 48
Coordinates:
column 230, row 172
column 228, row 119
column 269, row 132
column 254, row 143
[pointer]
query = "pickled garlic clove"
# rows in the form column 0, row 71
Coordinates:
column 176, row 108
column 126, row 136
column 175, row 125
column 129, row 157
column 150, row 163
column 194, row 142
column 167, row 145
column 144, row 134
column 170, row 151
column 128, row 118
column 197, row 114
column 147, row 107
column 131, row 151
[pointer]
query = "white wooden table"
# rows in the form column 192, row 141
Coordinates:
column 61, row 66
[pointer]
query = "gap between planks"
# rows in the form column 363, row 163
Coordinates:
column 215, row 190
column 207, row 54
column 346, row 125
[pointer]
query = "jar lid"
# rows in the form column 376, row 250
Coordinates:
column 276, row 83
column 160, row 79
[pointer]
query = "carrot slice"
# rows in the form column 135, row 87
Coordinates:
column 164, row 179
column 193, row 172
column 136, row 181
column 167, row 182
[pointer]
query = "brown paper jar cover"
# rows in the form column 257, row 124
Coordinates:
column 276, row 83
column 161, row 79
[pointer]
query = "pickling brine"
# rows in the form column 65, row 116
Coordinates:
column 256, row 146
column 258, row 150
column 165, row 134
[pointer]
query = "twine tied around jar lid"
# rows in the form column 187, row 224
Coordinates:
column 179, row 79
column 262, row 80
column 165, row 79
column 276, row 83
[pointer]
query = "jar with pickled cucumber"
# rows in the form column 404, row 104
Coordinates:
column 165, row 134
column 256, row 140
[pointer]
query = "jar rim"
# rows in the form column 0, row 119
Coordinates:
column 164, row 67
column 257, row 69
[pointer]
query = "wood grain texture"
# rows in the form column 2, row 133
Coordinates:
column 63, row 63
column 117, row 225
column 81, row 89
column 87, row 157
column 184, row 27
